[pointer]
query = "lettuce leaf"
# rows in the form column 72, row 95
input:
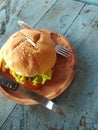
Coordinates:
column 42, row 78
column 34, row 80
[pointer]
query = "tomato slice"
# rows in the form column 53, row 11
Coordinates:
column 29, row 85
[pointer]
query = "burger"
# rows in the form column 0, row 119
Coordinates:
column 29, row 56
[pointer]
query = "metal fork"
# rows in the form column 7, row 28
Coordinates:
column 63, row 51
column 59, row 49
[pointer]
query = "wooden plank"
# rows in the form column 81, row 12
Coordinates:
column 84, row 36
column 12, row 11
column 60, row 17
column 94, row 2
column 6, row 107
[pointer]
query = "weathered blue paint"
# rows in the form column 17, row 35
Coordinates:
column 95, row 2
column 61, row 16
column 79, row 23
column 6, row 107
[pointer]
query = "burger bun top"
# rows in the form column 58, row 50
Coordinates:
column 26, row 60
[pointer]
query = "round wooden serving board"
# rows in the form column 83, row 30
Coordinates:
column 64, row 72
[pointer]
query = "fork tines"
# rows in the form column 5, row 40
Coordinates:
column 63, row 51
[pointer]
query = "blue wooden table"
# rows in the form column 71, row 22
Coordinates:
column 78, row 21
